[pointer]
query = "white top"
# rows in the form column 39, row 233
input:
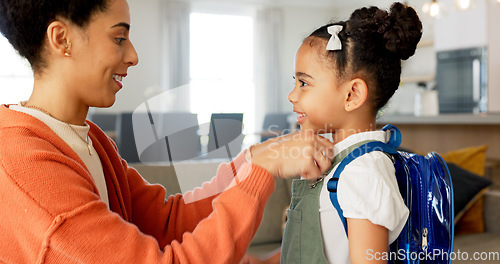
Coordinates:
column 76, row 142
column 367, row 189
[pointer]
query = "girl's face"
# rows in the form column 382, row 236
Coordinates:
column 102, row 53
column 316, row 97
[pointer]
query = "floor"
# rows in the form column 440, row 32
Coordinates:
column 477, row 248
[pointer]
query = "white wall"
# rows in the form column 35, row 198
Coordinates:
column 146, row 35
column 298, row 24
column 299, row 21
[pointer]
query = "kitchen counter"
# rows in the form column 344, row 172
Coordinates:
column 447, row 132
column 443, row 119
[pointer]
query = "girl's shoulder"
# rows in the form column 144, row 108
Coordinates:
column 368, row 189
column 373, row 172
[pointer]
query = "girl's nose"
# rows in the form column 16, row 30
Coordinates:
column 292, row 96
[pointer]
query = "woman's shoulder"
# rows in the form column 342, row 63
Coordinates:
column 22, row 132
column 26, row 142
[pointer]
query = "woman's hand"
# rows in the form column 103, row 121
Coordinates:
column 271, row 258
column 301, row 153
column 248, row 259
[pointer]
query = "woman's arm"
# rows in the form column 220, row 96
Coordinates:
column 182, row 212
column 55, row 215
column 368, row 242
column 72, row 225
column 93, row 234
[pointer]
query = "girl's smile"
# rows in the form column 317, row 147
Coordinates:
column 301, row 117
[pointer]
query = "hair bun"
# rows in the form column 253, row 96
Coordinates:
column 403, row 32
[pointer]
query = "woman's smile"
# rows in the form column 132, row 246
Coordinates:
column 118, row 79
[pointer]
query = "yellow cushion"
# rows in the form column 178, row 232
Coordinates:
column 471, row 158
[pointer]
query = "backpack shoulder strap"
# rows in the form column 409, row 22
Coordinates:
column 389, row 148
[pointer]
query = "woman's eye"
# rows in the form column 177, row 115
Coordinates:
column 120, row 40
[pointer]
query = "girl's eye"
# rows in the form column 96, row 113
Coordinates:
column 120, row 40
column 302, row 83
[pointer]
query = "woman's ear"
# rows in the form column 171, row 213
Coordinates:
column 57, row 38
column 357, row 92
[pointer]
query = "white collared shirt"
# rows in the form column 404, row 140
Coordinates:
column 367, row 189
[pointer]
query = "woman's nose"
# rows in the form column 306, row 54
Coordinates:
column 131, row 57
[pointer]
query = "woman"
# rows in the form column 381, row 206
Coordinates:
column 68, row 197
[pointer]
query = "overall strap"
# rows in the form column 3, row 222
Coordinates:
column 339, row 157
column 357, row 151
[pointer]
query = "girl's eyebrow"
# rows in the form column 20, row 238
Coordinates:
column 122, row 24
column 302, row 74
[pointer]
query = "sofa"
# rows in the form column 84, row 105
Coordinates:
column 268, row 236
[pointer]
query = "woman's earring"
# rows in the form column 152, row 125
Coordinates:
column 67, row 46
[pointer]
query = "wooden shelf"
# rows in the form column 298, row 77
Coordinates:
column 425, row 43
column 416, row 79
column 443, row 119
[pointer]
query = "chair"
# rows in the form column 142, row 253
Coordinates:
column 275, row 124
column 225, row 130
column 125, row 138
column 158, row 137
column 106, row 121
column 181, row 135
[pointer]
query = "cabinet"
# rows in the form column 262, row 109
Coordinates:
column 475, row 27
column 494, row 57
column 461, row 29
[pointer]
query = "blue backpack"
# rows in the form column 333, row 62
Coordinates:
column 425, row 185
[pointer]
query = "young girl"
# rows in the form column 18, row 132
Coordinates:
column 68, row 197
column 345, row 72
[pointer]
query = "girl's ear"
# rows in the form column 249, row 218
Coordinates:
column 357, row 92
column 57, row 38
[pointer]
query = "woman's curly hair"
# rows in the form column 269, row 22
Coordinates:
column 24, row 22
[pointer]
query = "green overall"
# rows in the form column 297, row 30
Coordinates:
column 302, row 239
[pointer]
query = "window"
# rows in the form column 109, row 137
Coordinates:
column 221, row 66
column 16, row 77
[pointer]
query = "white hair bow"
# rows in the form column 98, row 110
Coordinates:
column 334, row 42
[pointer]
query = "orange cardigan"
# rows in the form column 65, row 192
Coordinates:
column 50, row 211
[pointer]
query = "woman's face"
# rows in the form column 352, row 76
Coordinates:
column 101, row 56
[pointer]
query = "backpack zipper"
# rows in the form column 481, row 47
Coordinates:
column 424, row 239
column 425, row 230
